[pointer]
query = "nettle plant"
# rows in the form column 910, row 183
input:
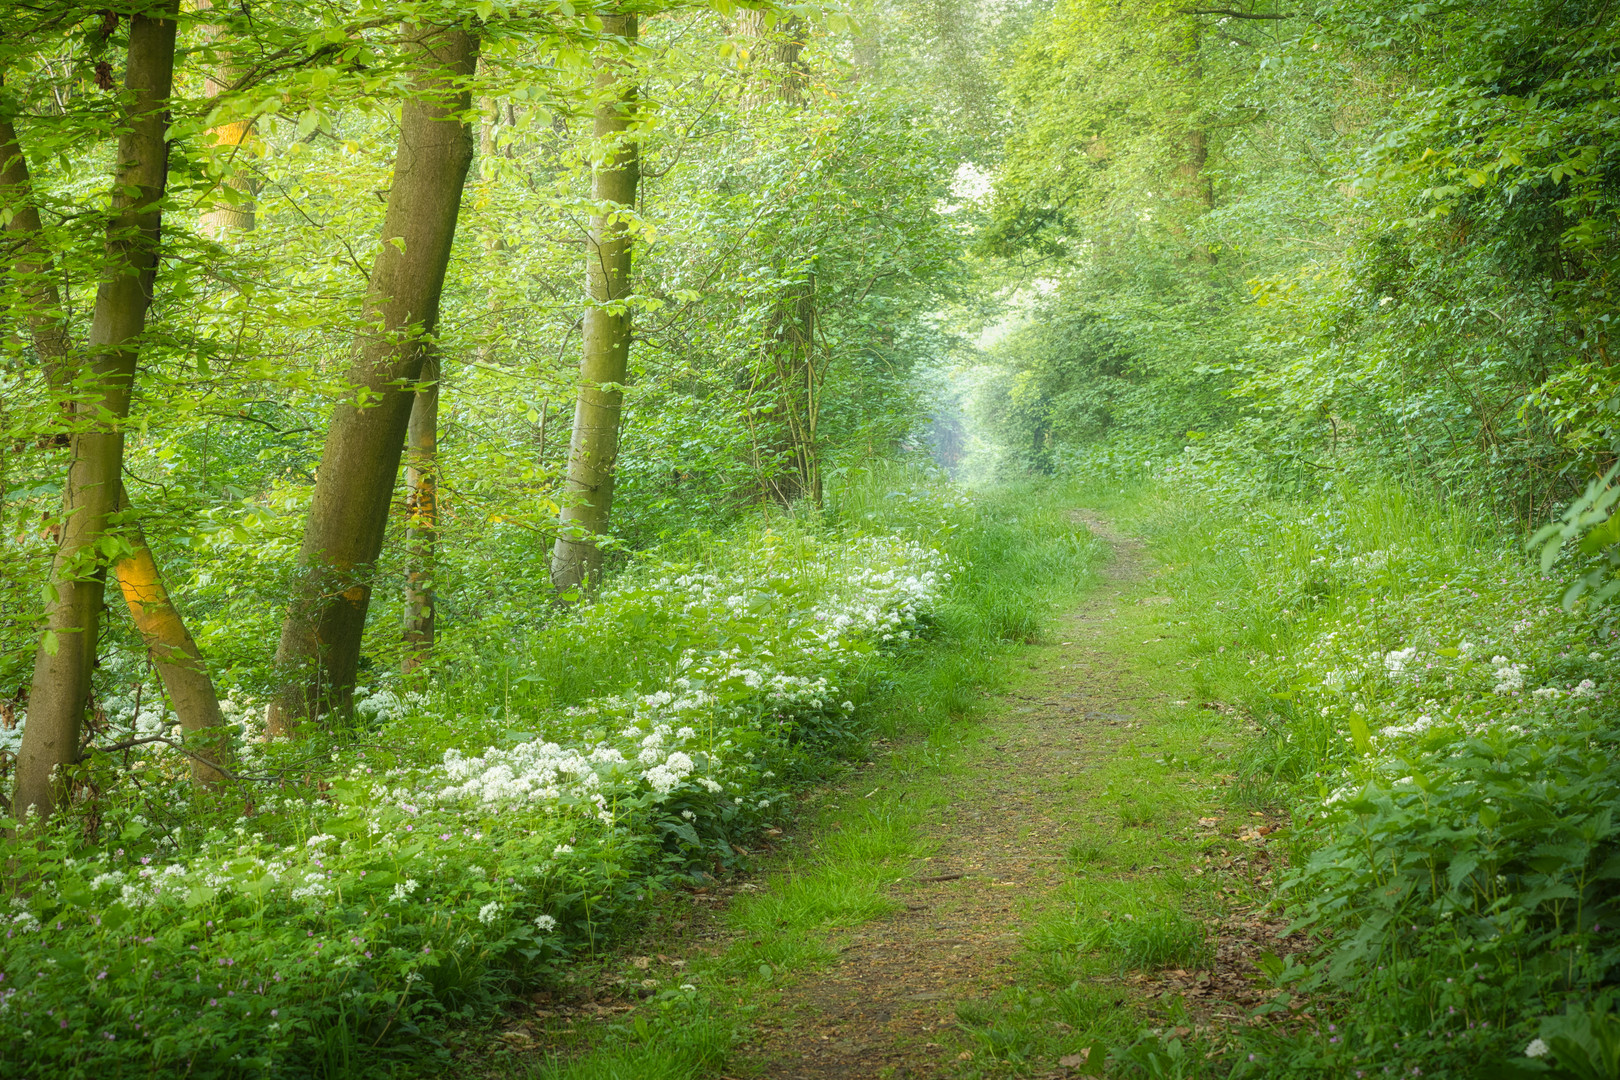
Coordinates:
column 1452, row 736
column 402, row 870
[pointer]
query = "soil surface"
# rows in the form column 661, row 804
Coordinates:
column 998, row 851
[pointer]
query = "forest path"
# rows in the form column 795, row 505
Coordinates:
column 1018, row 802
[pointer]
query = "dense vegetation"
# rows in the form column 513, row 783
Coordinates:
column 1323, row 297
column 505, row 427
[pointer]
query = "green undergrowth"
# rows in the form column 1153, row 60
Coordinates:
column 1441, row 733
column 373, row 884
column 1021, row 557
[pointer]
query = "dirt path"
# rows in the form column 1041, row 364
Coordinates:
column 999, row 850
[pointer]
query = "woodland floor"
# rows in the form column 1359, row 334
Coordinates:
column 1097, row 773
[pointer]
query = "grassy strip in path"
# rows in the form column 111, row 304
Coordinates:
column 1154, row 919
column 1024, row 557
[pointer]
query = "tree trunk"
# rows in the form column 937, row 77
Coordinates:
column 235, row 215
column 66, row 654
column 319, row 653
column 594, row 448
column 781, row 74
column 421, row 515
column 175, row 655
column 32, row 269
column 170, row 645
column 790, row 326
column 1195, row 182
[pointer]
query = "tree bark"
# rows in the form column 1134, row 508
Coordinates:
column 789, row 338
column 319, row 653
column 31, row 268
column 66, row 654
column 173, row 651
column 422, row 516
column 781, row 74
column 236, row 215
column 175, row 655
column 594, row 448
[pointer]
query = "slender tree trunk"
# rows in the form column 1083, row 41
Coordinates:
column 319, row 652
column 66, row 654
column 1196, row 182
column 594, row 448
column 790, row 326
column 780, row 73
column 422, row 515
column 173, row 651
column 32, row 269
column 175, row 655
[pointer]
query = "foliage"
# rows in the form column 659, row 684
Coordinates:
column 1445, row 737
column 1388, row 232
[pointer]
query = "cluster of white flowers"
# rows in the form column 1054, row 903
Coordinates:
column 386, row 706
column 314, row 886
column 679, row 737
column 1395, row 662
column 1509, row 676
column 791, row 628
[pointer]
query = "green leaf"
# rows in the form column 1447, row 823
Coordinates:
column 1360, row 734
